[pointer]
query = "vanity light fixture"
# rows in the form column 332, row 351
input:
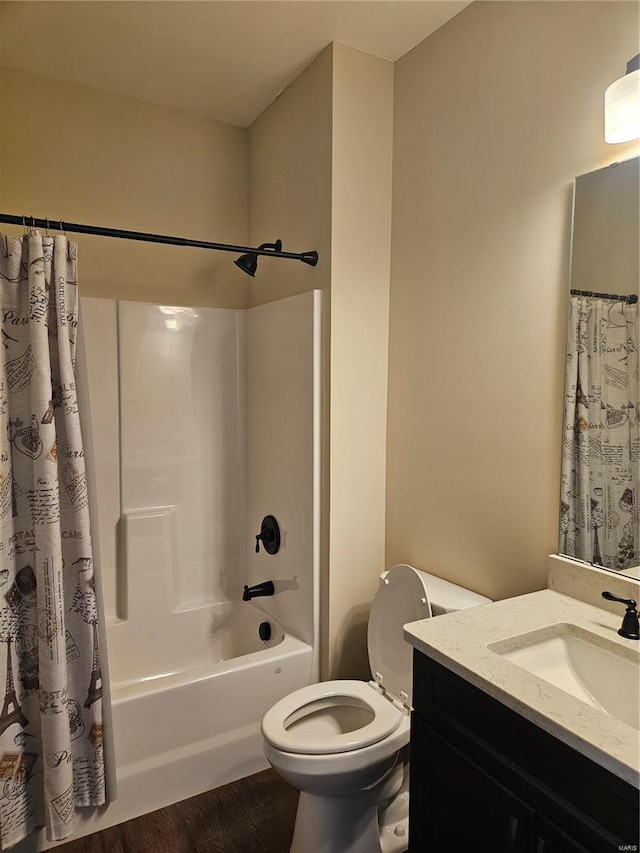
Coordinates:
column 622, row 106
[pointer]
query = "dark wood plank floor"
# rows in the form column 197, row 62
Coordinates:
column 252, row 815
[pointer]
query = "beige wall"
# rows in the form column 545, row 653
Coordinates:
column 320, row 178
column 360, row 271
column 69, row 152
column 290, row 181
column 495, row 113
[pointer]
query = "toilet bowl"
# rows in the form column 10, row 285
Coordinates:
column 344, row 744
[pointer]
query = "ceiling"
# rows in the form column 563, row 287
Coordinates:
column 227, row 59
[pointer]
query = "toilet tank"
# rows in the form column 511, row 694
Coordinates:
column 446, row 597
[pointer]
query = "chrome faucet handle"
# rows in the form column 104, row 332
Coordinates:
column 631, row 622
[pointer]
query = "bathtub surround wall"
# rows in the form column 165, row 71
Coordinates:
column 175, row 495
column 99, row 334
column 125, row 344
column 181, row 449
column 204, row 454
column 484, row 164
column 282, row 458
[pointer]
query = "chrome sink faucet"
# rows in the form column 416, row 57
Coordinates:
column 630, row 623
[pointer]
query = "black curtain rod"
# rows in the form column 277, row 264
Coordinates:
column 310, row 258
column 631, row 299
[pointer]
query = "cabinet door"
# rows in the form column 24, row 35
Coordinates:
column 455, row 807
column 551, row 839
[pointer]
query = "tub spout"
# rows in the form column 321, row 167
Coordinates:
column 265, row 588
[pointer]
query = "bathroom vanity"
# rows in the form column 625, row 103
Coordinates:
column 503, row 759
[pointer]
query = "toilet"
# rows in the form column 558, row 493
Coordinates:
column 345, row 744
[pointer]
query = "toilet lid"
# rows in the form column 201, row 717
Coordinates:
column 385, row 718
column 401, row 598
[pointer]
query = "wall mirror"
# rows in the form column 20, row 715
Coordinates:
column 600, row 481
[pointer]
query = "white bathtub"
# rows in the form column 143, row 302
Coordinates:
column 180, row 733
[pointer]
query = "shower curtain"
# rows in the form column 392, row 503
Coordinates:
column 599, row 506
column 51, row 744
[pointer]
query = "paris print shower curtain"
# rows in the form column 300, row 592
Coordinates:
column 600, row 500
column 51, row 753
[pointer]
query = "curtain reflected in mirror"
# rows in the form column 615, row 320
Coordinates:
column 600, row 483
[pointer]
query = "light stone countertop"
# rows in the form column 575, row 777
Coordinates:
column 459, row 642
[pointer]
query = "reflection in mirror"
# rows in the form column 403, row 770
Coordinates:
column 600, row 486
column 606, row 224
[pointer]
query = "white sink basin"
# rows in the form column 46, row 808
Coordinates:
column 600, row 673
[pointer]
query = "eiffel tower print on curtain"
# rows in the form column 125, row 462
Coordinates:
column 95, row 684
column 11, row 711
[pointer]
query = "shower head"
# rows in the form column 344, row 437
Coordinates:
column 249, row 263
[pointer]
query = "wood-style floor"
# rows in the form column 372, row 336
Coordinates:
column 252, row 815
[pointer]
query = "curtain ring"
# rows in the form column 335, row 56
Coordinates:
column 24, row 224
column 33, row 222
column 47, row 228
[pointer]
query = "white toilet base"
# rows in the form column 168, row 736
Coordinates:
column 393, row 820
column 340, row 824
column 372, row 821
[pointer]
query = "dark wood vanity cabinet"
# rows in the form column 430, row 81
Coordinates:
column 483, row 778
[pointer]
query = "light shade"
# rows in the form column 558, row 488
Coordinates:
column 622, row 109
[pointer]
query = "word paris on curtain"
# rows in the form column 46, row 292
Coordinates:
column 599, row 502
column 51, row 737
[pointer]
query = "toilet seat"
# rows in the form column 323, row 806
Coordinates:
column 386, row 718
column 401, row 598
